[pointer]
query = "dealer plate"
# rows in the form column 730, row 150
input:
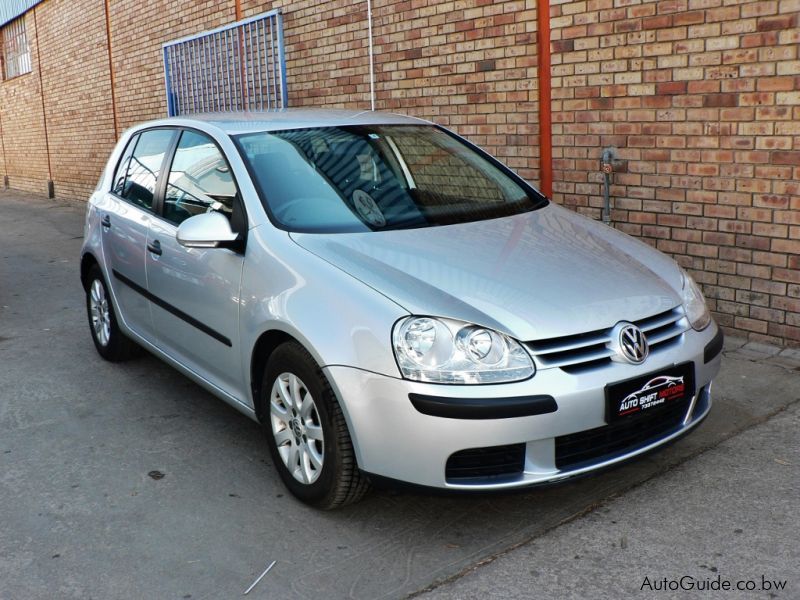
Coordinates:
column 649, row 392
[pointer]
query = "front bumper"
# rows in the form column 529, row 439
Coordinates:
column 393, row 439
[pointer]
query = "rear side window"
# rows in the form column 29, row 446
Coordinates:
column 200, row 180
column 144, row 166
column 122, row 169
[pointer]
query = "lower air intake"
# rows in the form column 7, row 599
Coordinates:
column 596, row 444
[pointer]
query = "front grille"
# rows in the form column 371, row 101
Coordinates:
column 576, row 353
column 481, row 463
column 594, row 444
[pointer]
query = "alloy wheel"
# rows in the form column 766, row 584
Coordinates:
column 297, row 428
column 99, row 311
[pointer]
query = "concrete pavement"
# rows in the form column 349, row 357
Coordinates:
column 81, row 517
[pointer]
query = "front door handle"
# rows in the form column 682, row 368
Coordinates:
column 154, row 247
column 105, row 221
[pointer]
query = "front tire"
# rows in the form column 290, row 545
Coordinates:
column 109, row 340
column 307, row 433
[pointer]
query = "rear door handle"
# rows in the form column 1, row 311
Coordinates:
column 105, row 221
column 154, row 247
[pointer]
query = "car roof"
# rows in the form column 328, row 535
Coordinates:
column 234, row 123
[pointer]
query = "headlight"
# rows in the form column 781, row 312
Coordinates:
column 694, row 304
column 448, row 351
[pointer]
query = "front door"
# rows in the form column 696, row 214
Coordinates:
column 195, row 291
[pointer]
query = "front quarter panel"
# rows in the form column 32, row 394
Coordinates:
column 337, row 318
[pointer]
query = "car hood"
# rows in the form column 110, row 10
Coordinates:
column 537, row 275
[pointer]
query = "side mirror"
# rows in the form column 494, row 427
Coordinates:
column 208, row 230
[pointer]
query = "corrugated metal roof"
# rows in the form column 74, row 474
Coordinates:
column 11, row 9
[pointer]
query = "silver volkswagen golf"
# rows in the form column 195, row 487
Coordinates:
column 390, row 302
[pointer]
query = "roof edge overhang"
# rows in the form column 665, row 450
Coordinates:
column 11, row 9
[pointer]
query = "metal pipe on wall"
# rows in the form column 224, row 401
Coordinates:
column 51, row 192
column 545, row 116
column 607, row 166
column 371, row 62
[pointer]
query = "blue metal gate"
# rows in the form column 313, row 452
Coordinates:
column 232, row 68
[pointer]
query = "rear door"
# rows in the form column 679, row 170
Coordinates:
column 126, row 213
column 195, row 291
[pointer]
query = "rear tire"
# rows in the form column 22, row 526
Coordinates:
column 307, row 433
column 109, row 340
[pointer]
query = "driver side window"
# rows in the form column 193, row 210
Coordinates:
column 200, row 180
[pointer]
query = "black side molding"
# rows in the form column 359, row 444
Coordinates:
column 714, row 347
column 171, row 309
column 483, row 408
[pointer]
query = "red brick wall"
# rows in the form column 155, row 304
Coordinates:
column 702, row 99
column 23, row 124
column 469, row 65
column 77, row 91
column 138, row 29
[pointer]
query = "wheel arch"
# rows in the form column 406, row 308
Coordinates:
column 265, row 345
column 88, row 260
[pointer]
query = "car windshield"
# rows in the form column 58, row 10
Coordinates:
column 378, row 178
